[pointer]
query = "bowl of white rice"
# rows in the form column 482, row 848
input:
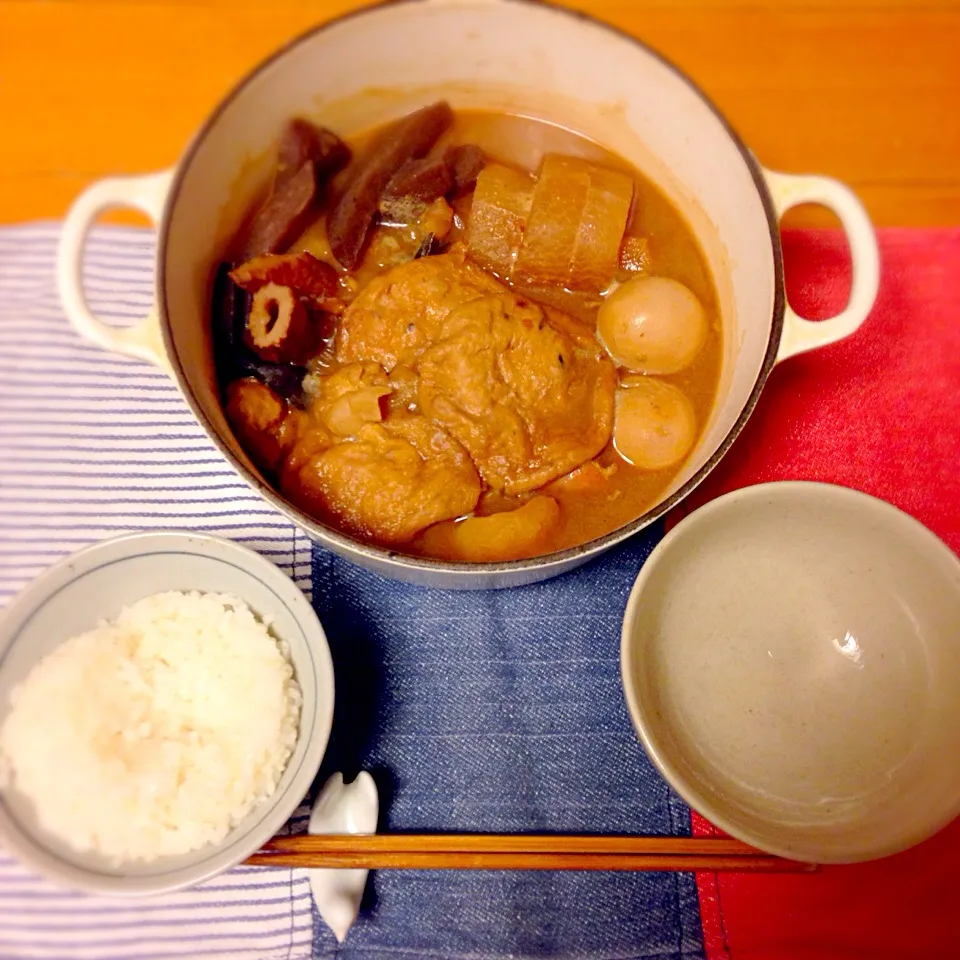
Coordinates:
column 165, row 702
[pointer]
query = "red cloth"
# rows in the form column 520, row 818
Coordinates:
column 879, row 412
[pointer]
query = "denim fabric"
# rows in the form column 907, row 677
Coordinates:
column 500, row 711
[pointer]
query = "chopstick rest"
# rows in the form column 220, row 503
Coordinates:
column 342, row 808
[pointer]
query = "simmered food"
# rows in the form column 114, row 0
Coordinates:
column 434, row 344
column 652, row 325
column 528, row 394
column 655, row 425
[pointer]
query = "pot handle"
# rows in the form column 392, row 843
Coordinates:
column 788, row 191
column 147, row 193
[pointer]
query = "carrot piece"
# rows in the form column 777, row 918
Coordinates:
column 634, row 257
column 589, row 478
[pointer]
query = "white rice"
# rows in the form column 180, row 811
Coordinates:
column 157, row 733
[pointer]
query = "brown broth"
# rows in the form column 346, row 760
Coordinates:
column 674, row 252
column 588, row 510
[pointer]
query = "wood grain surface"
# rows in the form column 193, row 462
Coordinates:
column 865, row 91
column 519, row 851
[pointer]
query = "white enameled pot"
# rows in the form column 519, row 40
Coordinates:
column 514, row 55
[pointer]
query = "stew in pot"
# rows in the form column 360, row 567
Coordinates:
column 467, row 335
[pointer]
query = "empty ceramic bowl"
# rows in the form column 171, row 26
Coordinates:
column 94, row 585
column 790, row 658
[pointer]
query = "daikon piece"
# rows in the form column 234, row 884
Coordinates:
column 559, row 200
column 498, row 217
column 578, row 218
column 596, row 252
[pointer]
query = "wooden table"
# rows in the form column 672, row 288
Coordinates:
column 864, row 90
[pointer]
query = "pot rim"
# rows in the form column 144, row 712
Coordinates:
column 383, row 557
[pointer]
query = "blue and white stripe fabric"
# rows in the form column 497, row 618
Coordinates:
column 93, row 445
column 486, row 711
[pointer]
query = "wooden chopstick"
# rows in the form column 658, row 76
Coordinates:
column 518, row 852
column 504, row 843
column 530, row 861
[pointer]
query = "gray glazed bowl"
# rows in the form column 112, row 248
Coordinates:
column 790, row 654
column 94, row 584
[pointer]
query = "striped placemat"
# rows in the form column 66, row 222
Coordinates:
column 91, row 446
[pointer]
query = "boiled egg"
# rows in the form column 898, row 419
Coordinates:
column 654, row 424
column 652, row 325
